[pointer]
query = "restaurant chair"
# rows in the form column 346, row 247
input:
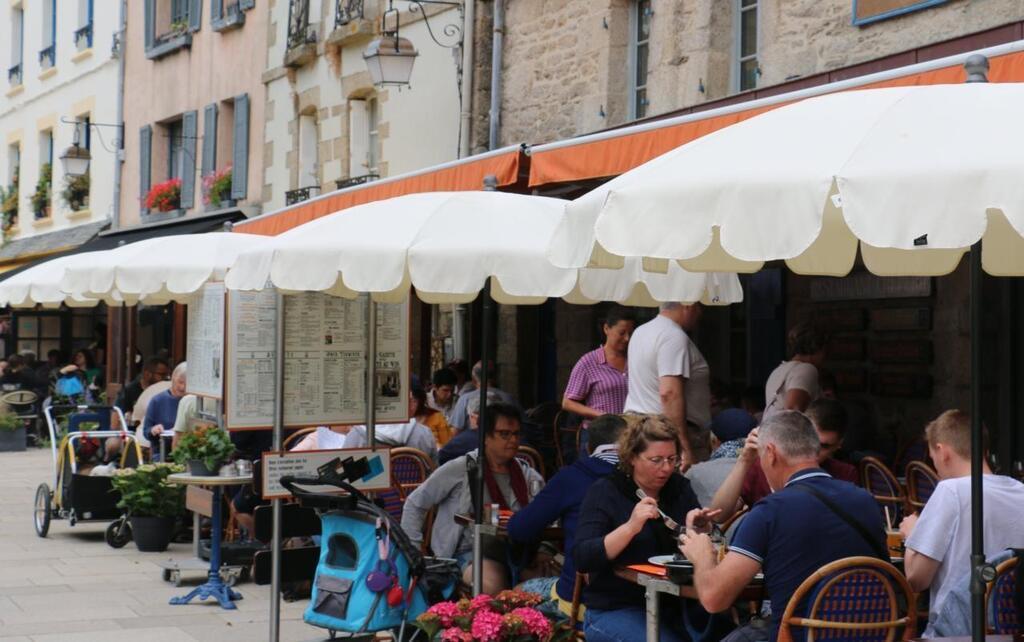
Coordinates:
column 410, row 467
column 727, row 524
column 921, row 483
column 293, row 439
column 574, row 611
column 1003, row 618
column 566, row 425
column 884, row 487
column 532, row 458
column 856, row 597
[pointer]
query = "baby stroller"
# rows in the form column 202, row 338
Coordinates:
column 370, row 577
column 76, row 496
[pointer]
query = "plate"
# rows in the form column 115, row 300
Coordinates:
column 663, row 560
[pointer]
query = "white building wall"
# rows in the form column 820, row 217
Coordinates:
column 418, row 125
column 80, row 83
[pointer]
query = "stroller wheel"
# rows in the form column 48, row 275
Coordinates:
column 118, row 533
column 41, row 515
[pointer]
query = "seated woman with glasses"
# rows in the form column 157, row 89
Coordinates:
column 616, row 528
column 508, row 482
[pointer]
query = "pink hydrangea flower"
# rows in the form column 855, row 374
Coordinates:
column 535, row 622
column 482, row 601
column 455, row 634
column 445, row 611
column 486, row 626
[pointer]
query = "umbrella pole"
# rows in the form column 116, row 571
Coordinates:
column 275, row 539
column 371, row 372
column 977, row 68
column 485, row 359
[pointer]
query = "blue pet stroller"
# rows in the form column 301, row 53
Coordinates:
column 370, row 577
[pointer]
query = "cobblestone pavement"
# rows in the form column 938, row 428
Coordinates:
column 72, row 587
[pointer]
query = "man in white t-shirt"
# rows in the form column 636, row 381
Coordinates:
column 939, row 542
column 668, row 375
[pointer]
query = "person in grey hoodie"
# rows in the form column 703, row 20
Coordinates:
column 508, row 482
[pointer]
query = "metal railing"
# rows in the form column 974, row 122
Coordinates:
column 342, row 183
column 299, row 31
column 291, row 197
column 14, row 75
column 345, row 11
column 83, row 37
column 47, row 56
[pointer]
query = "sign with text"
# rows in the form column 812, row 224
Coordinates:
column 369, row 470
column 205, row 349
column 868, row 11
column 324, row 361
column 864, row 286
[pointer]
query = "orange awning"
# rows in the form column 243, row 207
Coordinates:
column 461, row 175
column 614, row 152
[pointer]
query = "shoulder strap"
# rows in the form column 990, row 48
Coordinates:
column 876, row 546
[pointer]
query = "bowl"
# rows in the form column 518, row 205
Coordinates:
column 679, row 571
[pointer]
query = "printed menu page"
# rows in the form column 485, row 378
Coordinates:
column 205, row 349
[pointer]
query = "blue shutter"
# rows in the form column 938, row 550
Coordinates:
column 246, row 4
column 189, row 129
column 209, row 137
column 145, row 161
column 240, row 149
column 149, row 26
column 216, row 10
column 195, row 14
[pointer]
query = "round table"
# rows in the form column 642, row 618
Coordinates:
column 213, row 587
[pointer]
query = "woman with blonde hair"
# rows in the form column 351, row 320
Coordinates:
column 618, row 528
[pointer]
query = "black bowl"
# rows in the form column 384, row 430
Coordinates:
column 679, row 571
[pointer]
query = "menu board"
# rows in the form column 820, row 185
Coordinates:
column 324, row 360
column 205, row 349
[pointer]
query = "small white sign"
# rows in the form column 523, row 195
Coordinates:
column 375, row 464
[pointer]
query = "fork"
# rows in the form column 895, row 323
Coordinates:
column 669, row 522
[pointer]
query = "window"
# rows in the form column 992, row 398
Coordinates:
column 46, row 147
column 309, row 140
column 84, row 133
column 47, row 55
column 640, row 36
column 83, row 35
column 168, row 25
column 175, row 150
column 373, row 136
column 14, row 72
column 747, row 70
column 13, row 162
column 179, row 11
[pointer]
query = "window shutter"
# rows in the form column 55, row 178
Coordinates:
column 145, row 161
column 150, row 22
column 189, row 127
column 359, row 138
column 209, row 137
column 195, row 14
column 240, row 149
column 246, row 4
column 216, row 10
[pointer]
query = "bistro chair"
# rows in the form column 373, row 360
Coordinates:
column 566, row 429
column 884, row 487
column 1000, row 594
column 575, row 620
column 727, row 524
column 921, row 483
column 531, row 458
column 853, row 598
column 410, row 467
column 293, row 439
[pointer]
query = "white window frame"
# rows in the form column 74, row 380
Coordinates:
column 372, row 135
column 634, row 45
column 738, row 58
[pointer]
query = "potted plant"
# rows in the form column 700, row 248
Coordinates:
column 217, row 188
column 204, row 450
column 12, row 433
column 76, row 191
column 41, row 197
column 165, row 197
column 152, row 503
column 506, row 617
column 9, row 205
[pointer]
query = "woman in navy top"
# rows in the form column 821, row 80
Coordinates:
column 618, row 529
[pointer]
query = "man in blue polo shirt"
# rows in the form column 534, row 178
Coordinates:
column 789, row 534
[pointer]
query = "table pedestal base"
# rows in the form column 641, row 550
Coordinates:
column 215, row 588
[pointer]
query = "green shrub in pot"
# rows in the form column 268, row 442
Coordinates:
column 206, row 444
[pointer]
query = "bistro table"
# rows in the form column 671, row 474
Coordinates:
column 551, row 533
column 655, row 583
column 213, row 587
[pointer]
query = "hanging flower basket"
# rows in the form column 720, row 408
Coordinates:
column 165, row 197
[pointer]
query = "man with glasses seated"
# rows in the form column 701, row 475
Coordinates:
column 747, row 484
column 450, row 489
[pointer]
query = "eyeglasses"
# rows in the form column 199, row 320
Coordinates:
column 506, row 435
column 829, row 447
column 658, row 462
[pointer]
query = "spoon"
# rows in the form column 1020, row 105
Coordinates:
column 669, row 522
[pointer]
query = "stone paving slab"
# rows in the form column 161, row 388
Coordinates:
column 72, row 587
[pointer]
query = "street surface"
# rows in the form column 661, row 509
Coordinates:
column 72, row 587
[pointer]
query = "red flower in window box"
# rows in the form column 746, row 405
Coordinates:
column 164, row 197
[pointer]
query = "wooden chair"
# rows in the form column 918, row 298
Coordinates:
column 565, row 423
column 531, row 458
column 727, row 524
column 884, row 487
column 410, row 467
column 856, row 597
column 574, row 611
column 921, row 483
column 293, row 439
column 999, row 599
